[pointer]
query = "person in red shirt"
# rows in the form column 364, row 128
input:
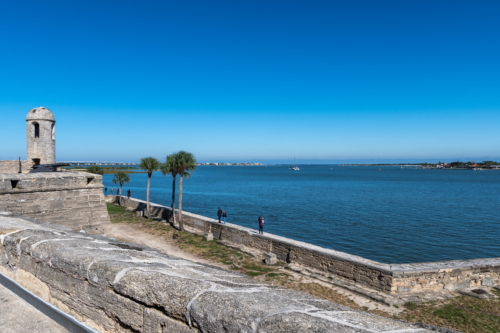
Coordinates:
column 261, row 225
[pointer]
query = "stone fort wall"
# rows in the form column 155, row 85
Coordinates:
column 330, row 265
column 115, row 286
column 12, row 166
column 72, row 199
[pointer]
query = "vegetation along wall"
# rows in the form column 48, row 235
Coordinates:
column 327, row 264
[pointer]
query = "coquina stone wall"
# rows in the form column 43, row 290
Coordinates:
column 115, row 286
column 328, row 264
column 70, row 198
column 8, row 166
column 41, row 136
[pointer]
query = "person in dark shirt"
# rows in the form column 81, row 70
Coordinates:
column 129, row 192
column 219, row 214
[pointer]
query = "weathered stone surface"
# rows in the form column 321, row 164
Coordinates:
column 302, row 322
column 488, row 281
column 458, row 284
column 66, row 198
column 12, row 166
column 122, row 287
column 156, row 322
column 270, row 259
column 149, row 287
column 41, row 136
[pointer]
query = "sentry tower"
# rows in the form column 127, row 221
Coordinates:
column 41, row 136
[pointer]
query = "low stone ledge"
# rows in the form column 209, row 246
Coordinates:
column 120, row 287
column 418, row 278
column 48, row 182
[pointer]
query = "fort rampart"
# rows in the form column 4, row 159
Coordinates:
column 330, row 265
column 12, row 166
column 68, row 198
column 115, row 286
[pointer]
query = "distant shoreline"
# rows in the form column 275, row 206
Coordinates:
column 433, row 166
column 230, row 164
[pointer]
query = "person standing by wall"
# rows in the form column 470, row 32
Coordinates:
column 224, row 216
column 219, row 214
column 261, row 225
column 129, row 192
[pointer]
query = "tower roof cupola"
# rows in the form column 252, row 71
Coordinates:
column 40, row 113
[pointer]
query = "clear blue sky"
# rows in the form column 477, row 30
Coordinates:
column 324, row 81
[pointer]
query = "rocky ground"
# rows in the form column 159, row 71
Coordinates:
column 461, row 313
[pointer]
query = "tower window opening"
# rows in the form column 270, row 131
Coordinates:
column 14, row 182
column 36, row 127
column 90, row 181
column 36, row 161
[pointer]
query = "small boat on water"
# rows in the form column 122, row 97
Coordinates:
column 294, row 167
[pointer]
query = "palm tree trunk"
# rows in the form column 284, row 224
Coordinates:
column 173, row 199
column 121, row 194
column 148, row 208
column 181, row 224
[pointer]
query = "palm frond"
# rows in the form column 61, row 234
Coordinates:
column 149, row 164
column 121, row 178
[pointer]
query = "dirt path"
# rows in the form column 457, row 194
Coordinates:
column 132, row 234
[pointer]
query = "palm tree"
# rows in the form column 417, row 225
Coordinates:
column 186, row 164
column 149, row 164
column 121, row 178
column 170, row 168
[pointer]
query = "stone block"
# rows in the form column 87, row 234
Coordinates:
column 488, row 281
column 446, row 279
column 270, row 259
column 459, row 284
column 209, row 236
column 402, row 289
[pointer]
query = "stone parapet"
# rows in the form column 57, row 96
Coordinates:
column 115, row 286
column 48, row 181
column 387, row 278
column 72, row 199
column 12, row 166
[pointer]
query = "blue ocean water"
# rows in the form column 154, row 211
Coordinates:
column 387, row 214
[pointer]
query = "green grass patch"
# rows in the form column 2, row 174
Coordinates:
column 464, row 314
column 271, row 275
column 454, row 314
column 112, row 209
column 411, row 306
